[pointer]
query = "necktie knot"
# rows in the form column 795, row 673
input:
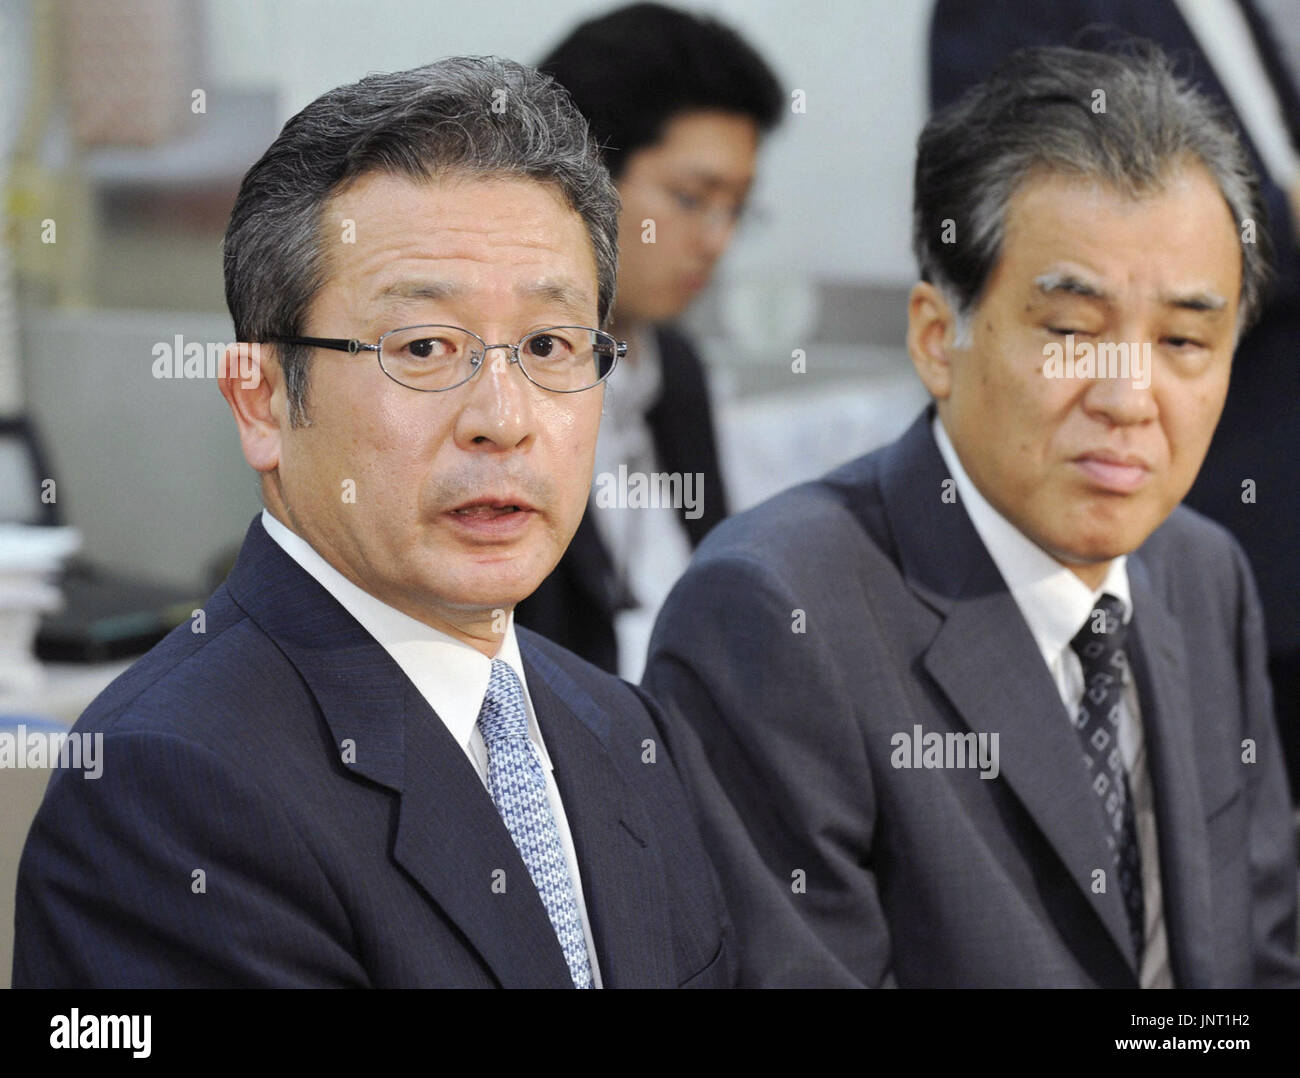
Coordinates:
column 1100, row 643
column 503, row 714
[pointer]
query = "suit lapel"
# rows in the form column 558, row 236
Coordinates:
column 985, row 660
column 624, row 891
column 452, row 840
column 449, row 837
column 998, row 683
column 1159, row 665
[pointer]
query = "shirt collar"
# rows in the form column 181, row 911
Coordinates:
column 449, row 674
column 1053, row 601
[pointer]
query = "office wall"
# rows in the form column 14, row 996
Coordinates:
column 149, row 469
column 837, row 179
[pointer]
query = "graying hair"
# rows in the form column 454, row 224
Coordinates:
column 1036, row 111
column 478, row 116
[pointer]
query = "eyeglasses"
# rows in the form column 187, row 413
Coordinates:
column 432, row 359
column 709, row 214
column 718, row 212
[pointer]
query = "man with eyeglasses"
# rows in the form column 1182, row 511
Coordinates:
column 679, row 103
column 352, row 770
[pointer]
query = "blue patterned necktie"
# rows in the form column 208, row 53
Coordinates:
column 518, row 787
column 1100, row 647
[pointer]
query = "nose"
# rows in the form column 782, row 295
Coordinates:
column 715, row 231
column 1126, row 399
column 497, row 409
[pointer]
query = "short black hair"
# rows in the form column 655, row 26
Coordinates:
column 632, row 70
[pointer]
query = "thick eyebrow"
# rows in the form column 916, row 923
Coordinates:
column 709, row 178
column 1195, row 301
column 1077, row 286
column 1072, row 284
column 559, row 292
column 430, row 290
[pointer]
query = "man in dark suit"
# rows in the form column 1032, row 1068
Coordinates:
column 678, row 103
column 987, row 707
column 1230, row 50
column 350, row 769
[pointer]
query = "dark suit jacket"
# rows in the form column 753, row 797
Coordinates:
column 1258, row 436
column 222, row 753
column 942, row 877
column 576, row 604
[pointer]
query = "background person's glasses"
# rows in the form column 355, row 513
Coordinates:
column 710, row 213
column 707, row 212
column 563, row 359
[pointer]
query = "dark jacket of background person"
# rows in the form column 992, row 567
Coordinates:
column 1258, row 437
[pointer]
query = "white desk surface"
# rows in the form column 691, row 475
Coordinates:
column 68, row 689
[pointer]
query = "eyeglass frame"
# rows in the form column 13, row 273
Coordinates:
column 708, row 215
column 353, row 346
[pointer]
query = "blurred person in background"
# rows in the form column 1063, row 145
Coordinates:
column 1232, row 50
column 679, row 103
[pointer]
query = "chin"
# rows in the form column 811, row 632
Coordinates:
column 490, row 587
column 1097, row 548
column 489, row 593
column 1080, row 559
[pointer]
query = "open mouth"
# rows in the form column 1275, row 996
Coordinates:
column 487, row 512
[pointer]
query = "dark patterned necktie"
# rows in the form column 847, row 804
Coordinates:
column 1100, row 647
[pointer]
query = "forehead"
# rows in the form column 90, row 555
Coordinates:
column 724, row 140
column 1179, row 236
column 480, row 233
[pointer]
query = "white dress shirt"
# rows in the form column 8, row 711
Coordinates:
column 1056, row 605
column 450, row 675
column 649, row 547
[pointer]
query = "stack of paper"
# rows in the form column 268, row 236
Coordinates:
column 30, row 558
